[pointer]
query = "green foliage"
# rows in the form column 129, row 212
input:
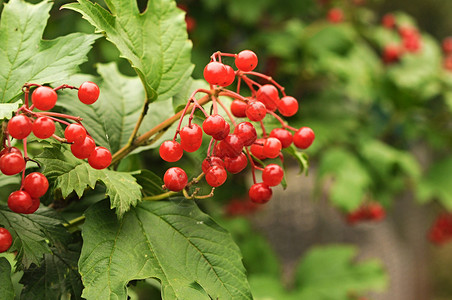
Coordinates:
column 6, row 288
column 7, row 109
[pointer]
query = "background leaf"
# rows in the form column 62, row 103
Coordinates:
column 6, row 288
column 7, row 109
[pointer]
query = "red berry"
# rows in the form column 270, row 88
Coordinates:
column 12, row 163
column 272, row 147
column 219, row 151
column 211, row 161
column 376, row 211
column 214, row 125
column 34, row 206
column 246, row 60
column 412, row 43
column 284, row 136
column 43, row 127
column 191, row 137
column 288, row 106
column 175, row 179
column 268, row 94
column 19, row 127
column 236, row 164
column 388, row 21
column 10, row 150
column 272, row 175
column 171, row 151
column 35, row 184
column 391, row 53
column 75, row 133
column 260, row 193
column 448, row 62
column 256, row 111
column 216, row 176
column 44, row 98
column 303, row 138
column 6, row 240
column 229, row 76
column 215, row 73
column 222, row 134
column 83, row 150
column 100, row 158
column 335, row 15
column 238, row 108
column 231, row 146
column 447, row 45
column 246, row 132
column 88, row 92
column 19, row 202
column 257, row 149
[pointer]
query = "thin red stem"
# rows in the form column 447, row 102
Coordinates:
column 239, row 80
column 227, row 112
column 233, row 95
column 253, row 166
column 269, row 79
column 283, row 124
column 210, row 146
column 65, row 86
column 264, row 133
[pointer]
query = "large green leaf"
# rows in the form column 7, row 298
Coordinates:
column 155, row 42
column 26, row 57
column 6, row 288
column 174, row 242
column 70, row 174
column 436, row 183
column 7, row 109
column 33, row 233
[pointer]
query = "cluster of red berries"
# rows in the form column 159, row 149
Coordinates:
column 232, row 149
column 447, row 50
column 441, row 231
column 367, row 212
column 410, row 40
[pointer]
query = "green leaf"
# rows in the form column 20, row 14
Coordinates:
column 329, row 273
column 26, row 57
column 174, row 242
column 70, row 174
column 300, row 157
column 7, row 109
column 191, row 85
column 33, row 233
column 436, row 184
column 267, row 287
column 6, row 288
column 56, row 278
column 155, row 42
column 150, row 183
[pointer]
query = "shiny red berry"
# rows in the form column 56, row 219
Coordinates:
column 43, row 127
column 211, row 161
column 257, row 149
column 272, row 175
column 83, row 150
column 100, row 158
column 171, row 151
column 303, row 138
column 175, row 179
column 272, row 147
column 19, row 127
column 288, row 106
column 260, row 193
column 222, row 134
column 10, row 150
column 255, row 111
column 238, row 108
column 391, row 53
column 12, row 163
column 229, row 76
column 6, row 240
column 75, row 133
column 236, row 164
column 246, row 60
column 335, row 15
column 191, row 137
column 231, row 146
column 35, row 184
column 19, row 202
column 246, row 132
column 44, row 98
column 215, row 73
column 388, row 21
column 215, row 126
column 88, row 92
column 34, row 206
column 283, row 135
column 447, row 45
column 268, row 94
column 216, row 176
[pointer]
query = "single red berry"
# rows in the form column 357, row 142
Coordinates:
column 408, row 31
column 75, row 133
column 257, row 149
column 44, row 98
column 268, row 94
column 283, row 135
column 175, row 179
column 216, row 176
column 231, row 146
column 246, row 132
column 171, row 151
column 391, row 53
column 303, row 138
column 12, row 163
column 191, row 137
column 376, row 211
column 236, row 164
column 214, row 125
column 288, row 106
column 211, row 161
column 219, row 152
column 6, row 240
column 246, row 60
column 88, row 92
column 34, row 206
column 335, row 15
column 19, row 127
column 447, row 45
column 100, row 158
column 255, row 111
column 222, row 134
column 19, row 202
column 43, row 127
column 272, row 147
column 10, row 150
column 35, row 184
column 215, row 73
column 388, row 21
column 448, row 62
column 238, row 108
column 272, row 175
column 83, row 150
column 229, row 76
column 412, row 44
column 260, row 193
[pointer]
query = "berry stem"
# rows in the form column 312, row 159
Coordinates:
column 264, row 132
column 283, row 124
column 65, row 86
column 239, row 80
column 53, row 114
column 253, row 166
column 160, row 196
column 74, row 222
column 210, row 146
column 59, row 139
column 233, row 95
column 227, row 112
column 269, row 79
